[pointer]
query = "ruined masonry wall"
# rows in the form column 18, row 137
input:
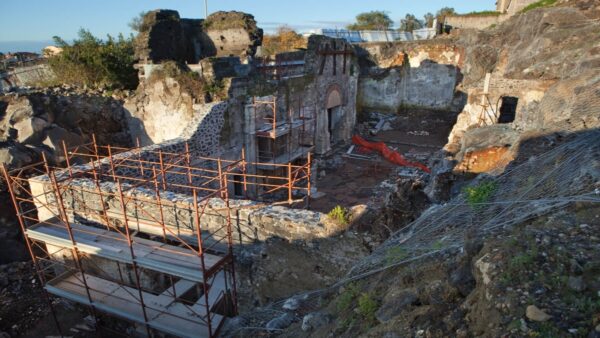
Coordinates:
column 409, row 74
column 475, row 22
column 251, row 221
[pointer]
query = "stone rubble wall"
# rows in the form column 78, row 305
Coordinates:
column 251, row 221
column 475, row 22
column 165, row 36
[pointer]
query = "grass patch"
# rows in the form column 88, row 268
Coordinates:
column 546, row 330
column 539, row 4
column 480, row 193
column 346, row 298
column 482, row 13
column 340, row 215
column 395, row 254
column 367, row 307
column 438, row 245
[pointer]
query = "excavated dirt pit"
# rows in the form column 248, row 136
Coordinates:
column 348, row 182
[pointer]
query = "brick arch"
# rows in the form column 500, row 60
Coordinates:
column 334, row 97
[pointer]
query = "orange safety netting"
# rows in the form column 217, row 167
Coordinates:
column 387, row 153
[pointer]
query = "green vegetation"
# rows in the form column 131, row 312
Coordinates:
column 191, row 82
column 92, row 62
column 374, row 20
column 546, row 330
column 428, row 20
column 409, row 23
column 340, row 215
column 443, row 13
column 539, row 4
column 284, row 40
column 367, row 307
column 482, row 13
column 229, row 20
column 480, row 193
column 344, row 301
column 438, row 245
column 138, row 23
column 395, row 255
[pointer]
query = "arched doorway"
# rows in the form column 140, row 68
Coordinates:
column 333, row 106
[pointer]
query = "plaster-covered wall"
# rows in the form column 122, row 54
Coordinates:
column 430, row 85
column 408, row 74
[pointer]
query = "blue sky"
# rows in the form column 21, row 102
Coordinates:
column 28, row 23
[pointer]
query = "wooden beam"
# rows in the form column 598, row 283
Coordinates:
column 334, row 59
column 323, row 59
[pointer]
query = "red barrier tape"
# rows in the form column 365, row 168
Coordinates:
column 388, row 154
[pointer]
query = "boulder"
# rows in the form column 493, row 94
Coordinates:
column 55, row 136
column 535, row 314
column 31, row 130
column 281, row 322
column 394, row 303
column 14, row 157
column 315, row 320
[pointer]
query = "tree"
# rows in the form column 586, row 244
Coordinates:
column 284, row 40
column 443, row 13
column 428, row 20
column 374, row 20
column 91, row 62
column 137, row 23
column 410, row 23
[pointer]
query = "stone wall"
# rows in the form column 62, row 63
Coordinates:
column 30, row 75
column 164, row 36
column 529, row 92
column 165, row 110
column 475, row 22
column 345, row 83
column 408, row 74
column 251, row 221
column 430, row 85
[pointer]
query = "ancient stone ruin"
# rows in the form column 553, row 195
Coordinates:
column 339, row 189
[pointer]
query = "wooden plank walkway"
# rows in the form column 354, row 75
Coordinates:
column 169, row 259
column 164, row 312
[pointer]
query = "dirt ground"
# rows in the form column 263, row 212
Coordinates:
column 348, row 182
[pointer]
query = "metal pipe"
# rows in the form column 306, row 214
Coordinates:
column 36, row 264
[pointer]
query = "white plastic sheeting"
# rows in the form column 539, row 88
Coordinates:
column 377, row 36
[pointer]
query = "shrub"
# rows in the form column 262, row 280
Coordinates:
column 538, row 4
column 190, row 82
column 482, row 13
column 284, row 40
column 344, row 301
column 340, row 215
column 367, row 307
column 95, row 63
column 480, row 193
column 395, row 254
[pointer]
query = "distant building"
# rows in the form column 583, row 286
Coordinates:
column 51, row 51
